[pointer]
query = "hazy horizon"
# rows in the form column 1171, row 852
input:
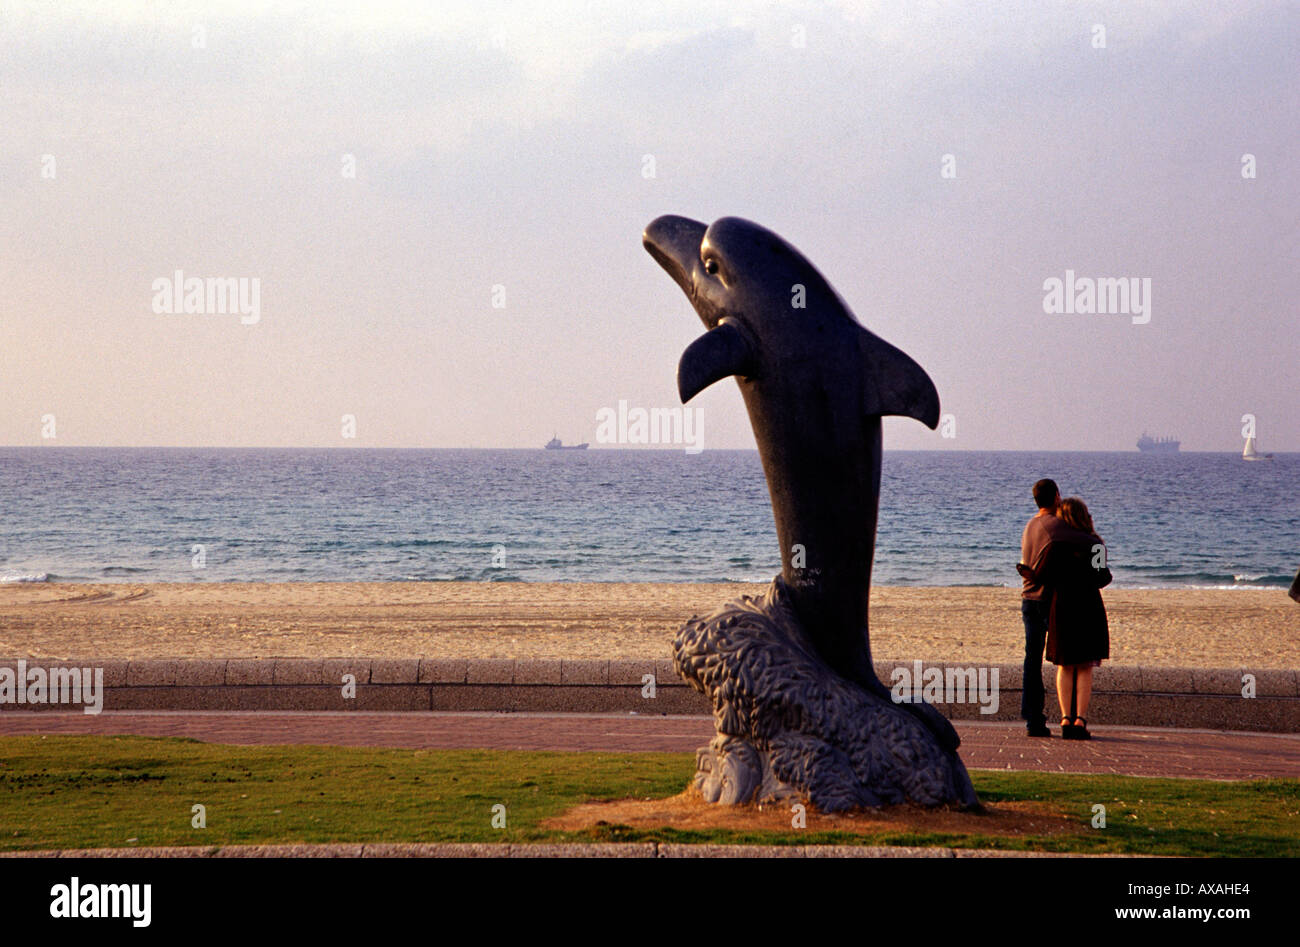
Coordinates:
column 594, row 448
column 442, row 212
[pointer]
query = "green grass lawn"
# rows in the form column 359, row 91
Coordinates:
column 92, row 792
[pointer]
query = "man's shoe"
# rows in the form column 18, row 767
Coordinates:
column 1039, row 730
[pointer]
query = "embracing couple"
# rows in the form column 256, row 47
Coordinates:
column 1063, row 564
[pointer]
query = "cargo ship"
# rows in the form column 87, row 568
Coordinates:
column 556, row 444
column 1158, row 445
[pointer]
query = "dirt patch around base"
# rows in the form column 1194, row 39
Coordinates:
column 689, row 811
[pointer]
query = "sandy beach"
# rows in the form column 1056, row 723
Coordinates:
column 1172, row 628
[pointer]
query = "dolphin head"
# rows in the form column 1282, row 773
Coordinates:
column 769, row 313
column 722, row 265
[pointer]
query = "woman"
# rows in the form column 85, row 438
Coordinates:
column 1073, row 570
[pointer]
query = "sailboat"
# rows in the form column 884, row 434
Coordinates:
column 1250, row 453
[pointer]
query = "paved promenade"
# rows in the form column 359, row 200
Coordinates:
column 1137, row 751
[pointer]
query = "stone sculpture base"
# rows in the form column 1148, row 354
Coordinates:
column 789, row 727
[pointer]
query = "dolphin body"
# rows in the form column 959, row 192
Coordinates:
column 815, row 384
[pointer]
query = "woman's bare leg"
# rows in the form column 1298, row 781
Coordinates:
column 1064, row 691
column 1085, row 689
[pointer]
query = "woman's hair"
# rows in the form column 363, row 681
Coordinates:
column 1075, row 512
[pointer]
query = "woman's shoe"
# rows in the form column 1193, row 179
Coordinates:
column 1068, row 729
column 1081, row 729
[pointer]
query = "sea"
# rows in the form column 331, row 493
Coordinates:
column 947, row 518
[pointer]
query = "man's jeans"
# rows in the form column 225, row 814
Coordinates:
column 1032, row 696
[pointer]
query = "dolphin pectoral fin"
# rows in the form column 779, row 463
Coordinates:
column 720, row 352
column 896, row 384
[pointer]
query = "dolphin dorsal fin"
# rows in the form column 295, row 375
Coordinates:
column 895, row 383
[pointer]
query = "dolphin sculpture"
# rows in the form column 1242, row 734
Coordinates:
column 815, row 384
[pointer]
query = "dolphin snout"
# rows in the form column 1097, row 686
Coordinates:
column 674, row 242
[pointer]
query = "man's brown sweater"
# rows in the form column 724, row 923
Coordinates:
column 1040, row 531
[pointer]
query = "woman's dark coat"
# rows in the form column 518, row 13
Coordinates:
column 1077, row 632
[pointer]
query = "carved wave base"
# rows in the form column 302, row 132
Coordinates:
column 789, row 727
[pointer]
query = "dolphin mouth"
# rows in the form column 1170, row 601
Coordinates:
column 674, row 242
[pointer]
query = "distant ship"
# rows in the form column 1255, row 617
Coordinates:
column 1250, row 453
column 1158, row 445
column 555, row 444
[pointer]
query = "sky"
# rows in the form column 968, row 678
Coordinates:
column 440, row 208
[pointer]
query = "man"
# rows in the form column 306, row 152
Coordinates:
column 1035, row 607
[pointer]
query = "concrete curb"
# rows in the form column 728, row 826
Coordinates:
column 543, row 850
column 1192, row 698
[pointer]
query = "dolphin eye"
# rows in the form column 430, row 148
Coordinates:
column 711, row 266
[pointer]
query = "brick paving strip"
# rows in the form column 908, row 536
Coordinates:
column 1135, row 751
